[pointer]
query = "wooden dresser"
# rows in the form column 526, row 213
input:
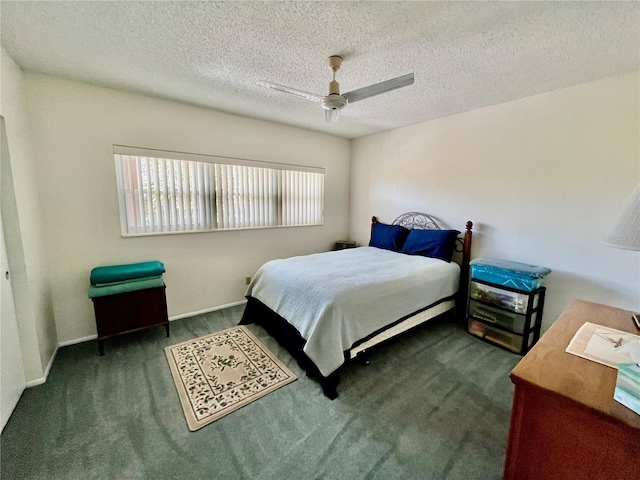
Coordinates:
column 565, row 423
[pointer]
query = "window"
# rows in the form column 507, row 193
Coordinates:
column 167, row 192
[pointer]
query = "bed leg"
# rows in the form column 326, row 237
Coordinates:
column 329, row 392
column 329, row 385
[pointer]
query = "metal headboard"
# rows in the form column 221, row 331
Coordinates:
column 423, row 221
column 417, row 220
column 463, row 245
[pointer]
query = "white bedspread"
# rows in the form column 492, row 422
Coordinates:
column 336, row 298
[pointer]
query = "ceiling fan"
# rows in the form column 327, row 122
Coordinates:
column 334, row 101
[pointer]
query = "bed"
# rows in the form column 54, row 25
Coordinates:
column 330, row 308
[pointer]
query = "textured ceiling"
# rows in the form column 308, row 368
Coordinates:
column 465, row 55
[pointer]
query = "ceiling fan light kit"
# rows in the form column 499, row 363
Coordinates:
column 334, row 102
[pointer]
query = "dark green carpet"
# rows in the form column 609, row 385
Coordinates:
column 433, row 404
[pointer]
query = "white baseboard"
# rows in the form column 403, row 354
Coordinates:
column 171, row 319
column 78, row 340
column 43, row 379
column 36, row 382
column 207, row 310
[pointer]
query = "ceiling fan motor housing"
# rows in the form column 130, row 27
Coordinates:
column 333, row 101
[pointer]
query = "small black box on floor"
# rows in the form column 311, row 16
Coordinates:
column 342, row 244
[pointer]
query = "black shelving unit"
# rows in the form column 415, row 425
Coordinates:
column 505, row 316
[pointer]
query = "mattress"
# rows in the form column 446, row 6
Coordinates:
column 335, row 299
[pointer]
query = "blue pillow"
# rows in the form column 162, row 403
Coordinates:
column 389, row 237
column 431, row 243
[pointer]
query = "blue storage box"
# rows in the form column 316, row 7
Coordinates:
column 509, row 274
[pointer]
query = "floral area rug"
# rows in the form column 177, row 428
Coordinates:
column 219, row 373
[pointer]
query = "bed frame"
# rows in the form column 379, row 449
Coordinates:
column 287, row 335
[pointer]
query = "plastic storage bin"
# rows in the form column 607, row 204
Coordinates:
column 514, row 301
column 509, row 274
column 514, row 342
column 512, row 321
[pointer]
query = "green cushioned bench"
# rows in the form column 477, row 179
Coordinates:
column 118, row 273
column 127, row 298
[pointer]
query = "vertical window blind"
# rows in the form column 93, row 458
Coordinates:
column 167, row 192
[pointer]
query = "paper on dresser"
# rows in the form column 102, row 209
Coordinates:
column 604, row 345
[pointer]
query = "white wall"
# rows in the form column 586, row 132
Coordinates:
column 74, row 126
column 23, row 228
column 542, row 178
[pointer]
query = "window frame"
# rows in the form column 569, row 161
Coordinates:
column 123, row 150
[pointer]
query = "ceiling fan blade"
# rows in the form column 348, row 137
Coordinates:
column 379, row 88
column 292, row 91
column 331, row 116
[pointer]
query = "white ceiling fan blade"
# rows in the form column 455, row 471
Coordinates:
column 292, row 91
column 331, row 116
column 379, row 88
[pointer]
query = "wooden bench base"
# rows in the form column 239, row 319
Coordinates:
column 129, row 312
